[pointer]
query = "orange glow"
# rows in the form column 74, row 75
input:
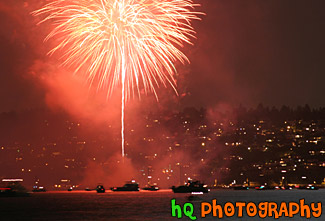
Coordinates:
column 122, row 41
column 132, row 43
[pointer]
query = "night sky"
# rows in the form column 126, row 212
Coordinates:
column 246, row 51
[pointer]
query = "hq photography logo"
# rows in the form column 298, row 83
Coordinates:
column 248, row 209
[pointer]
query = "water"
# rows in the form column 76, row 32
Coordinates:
column 82, row 205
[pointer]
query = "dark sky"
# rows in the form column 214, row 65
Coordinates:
column 247, row 51
column 252, row 51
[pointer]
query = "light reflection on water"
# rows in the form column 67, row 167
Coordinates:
column 144, row 205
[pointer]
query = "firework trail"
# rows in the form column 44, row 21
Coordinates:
column 131, row 43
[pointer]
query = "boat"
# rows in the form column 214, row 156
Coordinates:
column 100, row 189
column 38, row 189
column 287, row 187
column 151, row 188
column 70, row 188
column 241, row 187
column 264, row 187
column 311, row 187
column 14, row 190
column 191, row 187
column 307, row 187
column 130, row 186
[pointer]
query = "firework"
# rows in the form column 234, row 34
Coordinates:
column 128, row 43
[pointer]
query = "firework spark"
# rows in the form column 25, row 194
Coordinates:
column 132, row 43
